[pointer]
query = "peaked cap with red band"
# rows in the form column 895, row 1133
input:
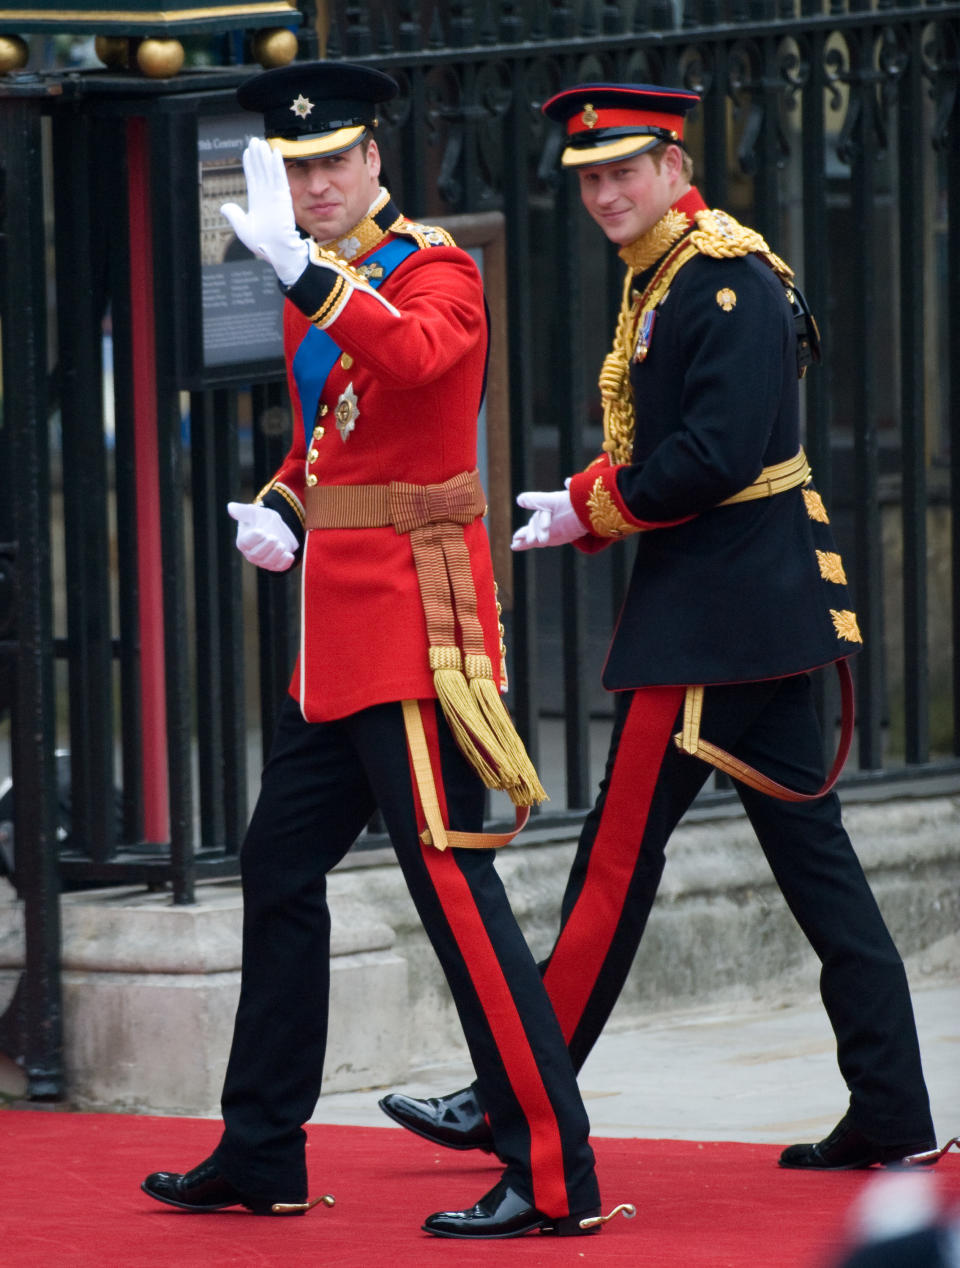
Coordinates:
column 607, row 122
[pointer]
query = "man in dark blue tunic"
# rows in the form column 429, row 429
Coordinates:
column 738, row 591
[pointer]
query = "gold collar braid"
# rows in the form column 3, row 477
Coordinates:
column 363, row 237
column 649, row 247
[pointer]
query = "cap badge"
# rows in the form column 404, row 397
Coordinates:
column 301, row 106
column 727, row 299
column 589, row 118
column 346, row 412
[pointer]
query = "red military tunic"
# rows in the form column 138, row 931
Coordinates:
column 408, row 383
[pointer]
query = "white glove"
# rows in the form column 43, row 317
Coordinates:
column 553, row 522
column 262, row 537
column 268, row 228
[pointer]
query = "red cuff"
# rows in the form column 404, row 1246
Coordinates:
column 597, row 501
column 596, row 498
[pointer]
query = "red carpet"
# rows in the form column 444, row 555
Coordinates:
column 70, row 1197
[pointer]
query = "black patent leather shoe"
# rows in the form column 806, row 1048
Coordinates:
column 455, row 1121
column 204, row 1190
column 848, row 1149
column 504, row 1213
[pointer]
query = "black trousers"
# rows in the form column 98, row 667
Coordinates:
column 320, row 786
column 647, row 786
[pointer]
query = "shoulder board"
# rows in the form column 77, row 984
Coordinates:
column 718, row 235
column 423, row 235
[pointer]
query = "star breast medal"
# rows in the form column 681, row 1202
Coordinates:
column 347, row 412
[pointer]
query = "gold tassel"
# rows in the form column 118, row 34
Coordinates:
column 524, row 787
column 470, row 729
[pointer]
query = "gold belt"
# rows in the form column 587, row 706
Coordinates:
column 777, row 478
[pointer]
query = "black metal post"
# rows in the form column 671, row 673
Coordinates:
column 31, row 1030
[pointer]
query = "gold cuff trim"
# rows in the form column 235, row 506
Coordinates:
column 331, row 306
column 605, row 517
column 273, row 486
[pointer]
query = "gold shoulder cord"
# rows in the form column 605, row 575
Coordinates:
column 718, row 235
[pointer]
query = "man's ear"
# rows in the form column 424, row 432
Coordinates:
column 673, row 157
column 373, row 158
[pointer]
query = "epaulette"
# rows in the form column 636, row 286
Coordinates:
column 423, row 235
column 718, row 235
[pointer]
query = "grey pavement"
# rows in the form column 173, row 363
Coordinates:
column 764, row 1073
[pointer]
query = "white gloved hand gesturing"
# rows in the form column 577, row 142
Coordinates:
column 262, row 537
column 268, row 228
column 553, row 522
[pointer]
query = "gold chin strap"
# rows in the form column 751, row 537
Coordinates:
column 294, row 1208
column 689, row 740
column 436, row 833
column 626, row 1209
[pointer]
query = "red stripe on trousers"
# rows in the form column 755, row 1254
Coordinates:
column 486, row 973
column 582, row 947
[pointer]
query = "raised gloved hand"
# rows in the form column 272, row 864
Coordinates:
column 262, row 537
column 268, row 227
column 553, row 522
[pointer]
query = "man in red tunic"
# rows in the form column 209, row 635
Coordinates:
column 394, row 703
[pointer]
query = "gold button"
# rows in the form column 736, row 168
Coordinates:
column 318, row 433
column 323, row 410
column 312, row 456
column 346, row 361
column 311, row 481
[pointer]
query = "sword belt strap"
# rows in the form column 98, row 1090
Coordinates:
column 436, row 833
column 774, row 479
column 690, row 741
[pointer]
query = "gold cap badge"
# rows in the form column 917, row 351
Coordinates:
column 589, row 118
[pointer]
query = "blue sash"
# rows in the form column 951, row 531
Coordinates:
column 318, row 354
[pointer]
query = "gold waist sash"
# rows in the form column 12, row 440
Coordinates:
column 433, row 516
